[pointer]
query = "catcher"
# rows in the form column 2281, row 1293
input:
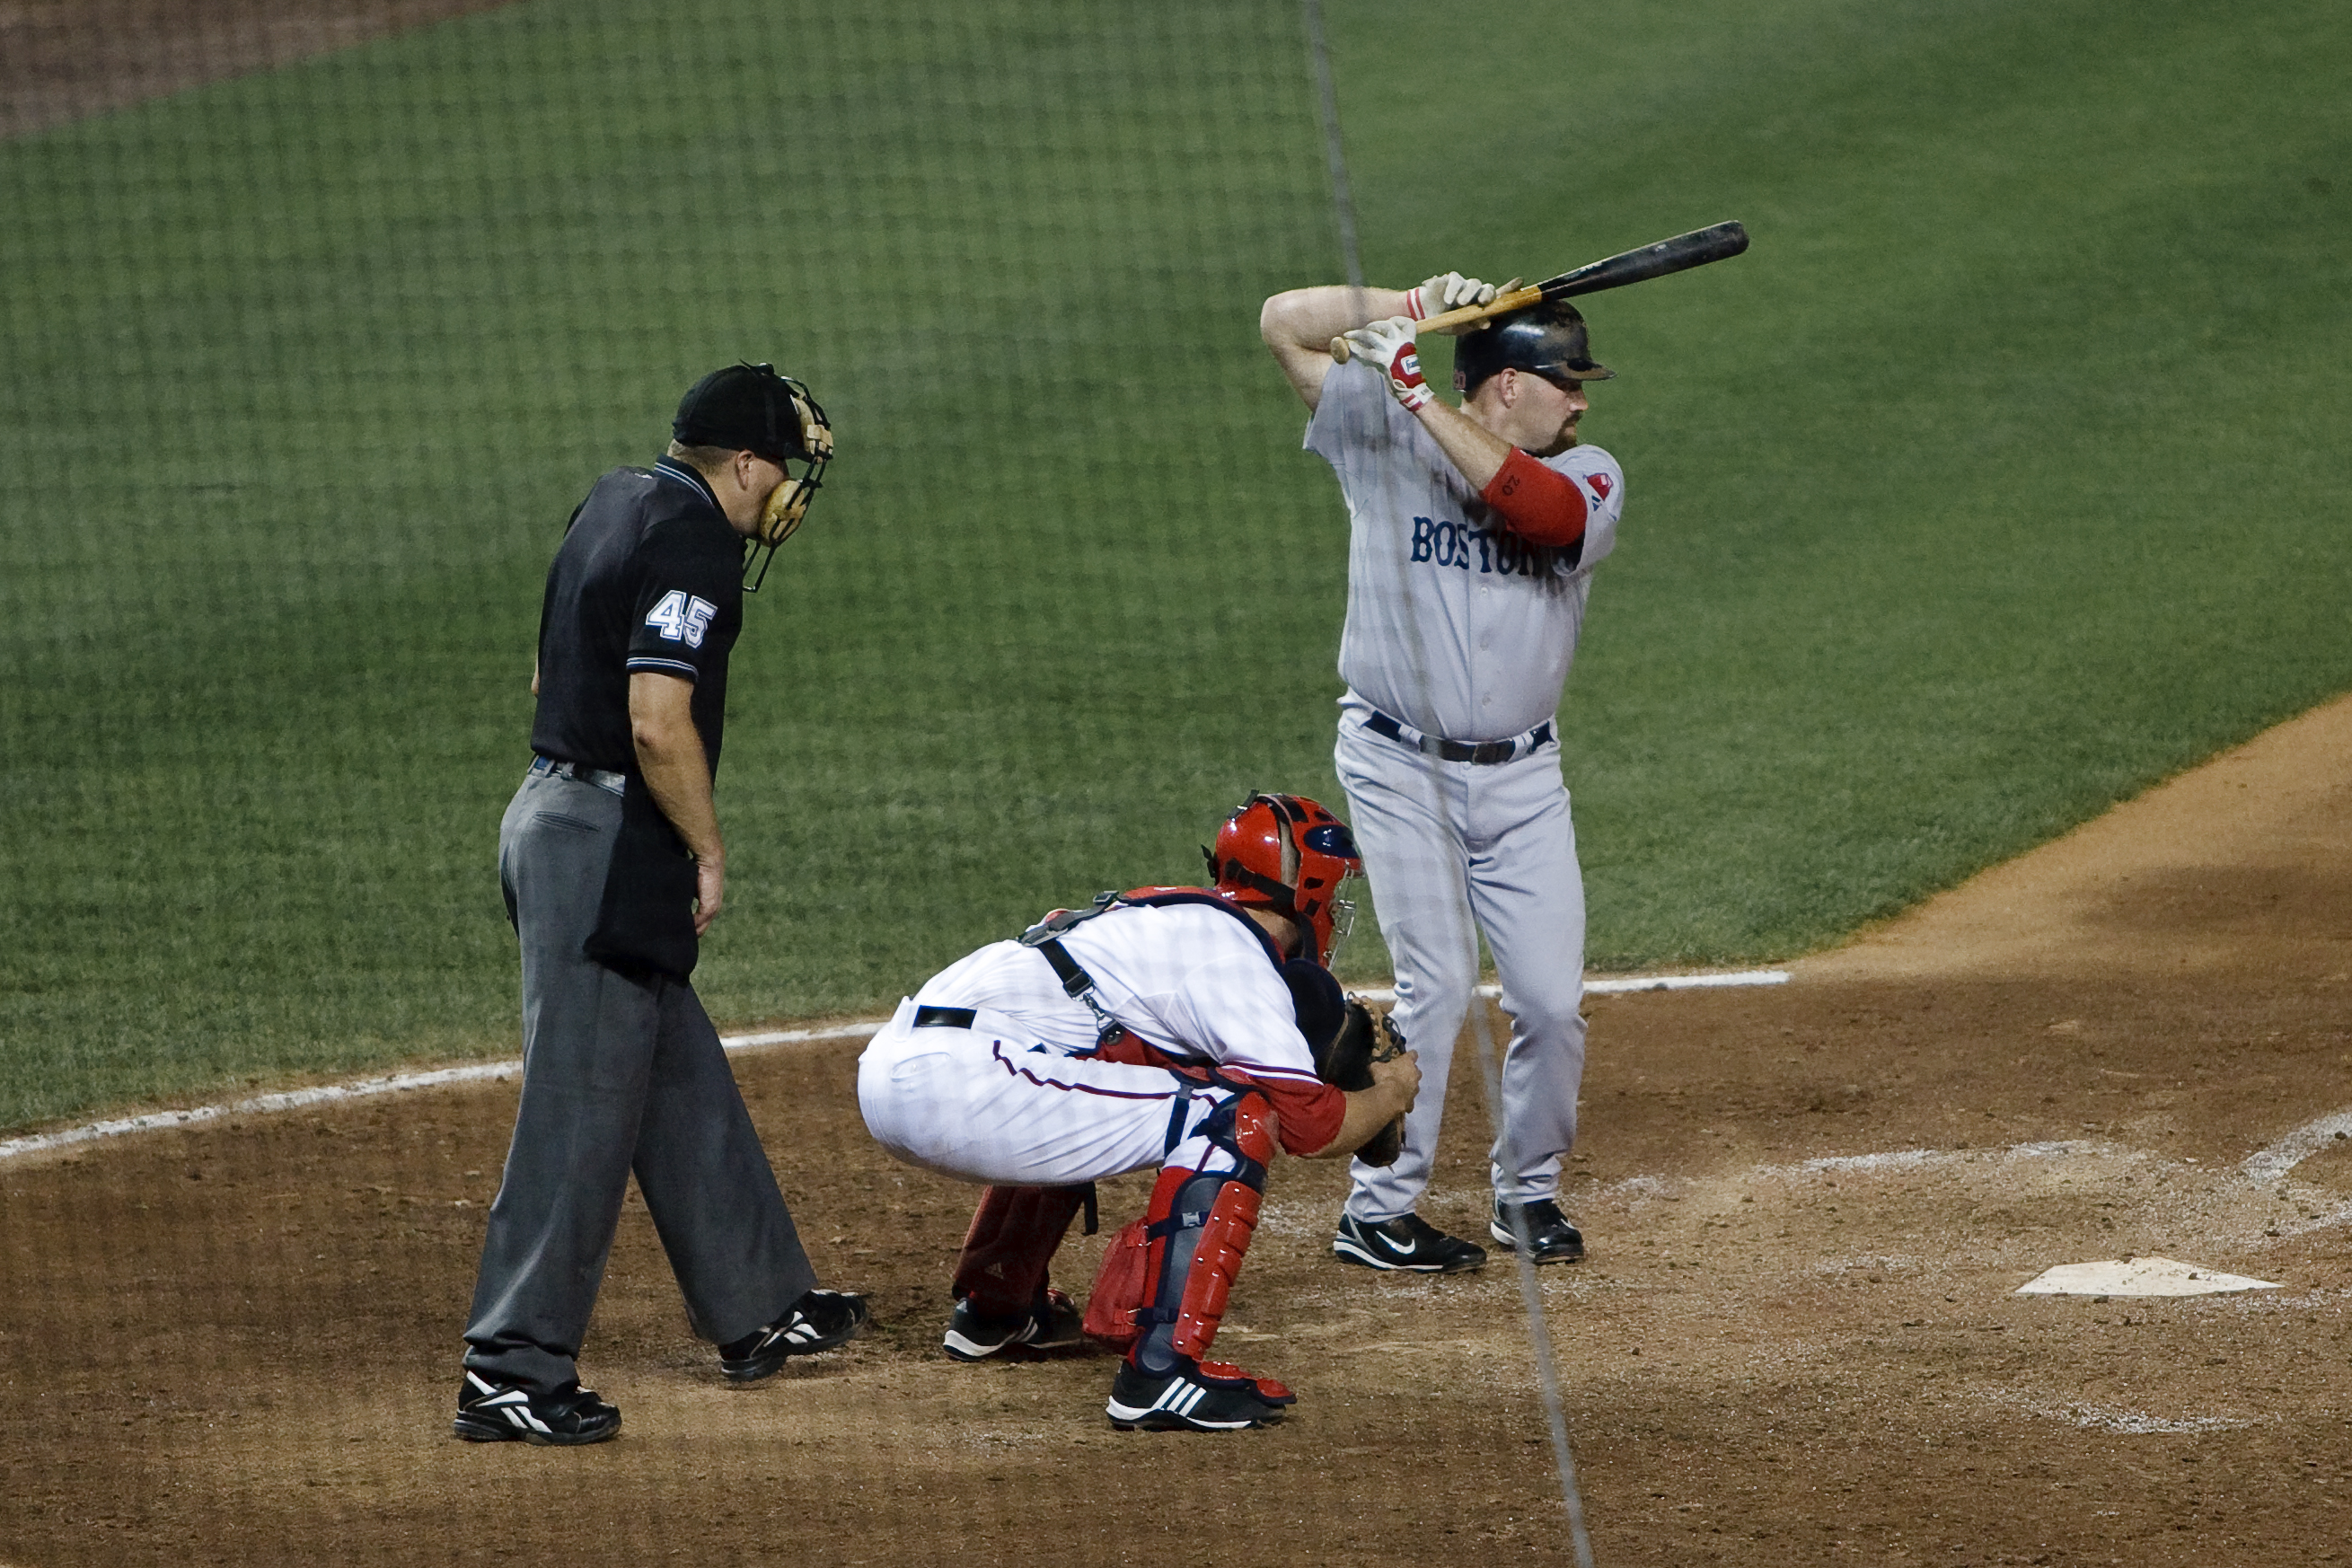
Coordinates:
column 1166, row 1026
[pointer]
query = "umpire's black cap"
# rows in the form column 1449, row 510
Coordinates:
column 743, row 407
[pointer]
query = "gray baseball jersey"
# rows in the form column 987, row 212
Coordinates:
column 1455, row 625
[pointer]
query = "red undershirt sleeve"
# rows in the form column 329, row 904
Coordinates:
column 1537, row 503
column 1308, row 1114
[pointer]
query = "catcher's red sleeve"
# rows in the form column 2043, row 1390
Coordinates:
column 1539, row 503
column 1308, row 1114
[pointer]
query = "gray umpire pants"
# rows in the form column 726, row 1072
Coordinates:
column 620, row 1073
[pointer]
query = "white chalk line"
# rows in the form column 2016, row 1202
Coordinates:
column 2268, row 1165
column 399, row 1083
column 2264, row 1167
column 363, row 1089
column 1621, row 985
column 2267, row 1168
column 2107, row 1418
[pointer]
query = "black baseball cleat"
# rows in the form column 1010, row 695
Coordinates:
column 1052, row 1324
column 1407, row 1242
column 1192, row 1398
column 819, row 1321
column 1551, row 1239
column 491, row 1412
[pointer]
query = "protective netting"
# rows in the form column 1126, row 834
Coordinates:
column 316, row 322
column 308, row 364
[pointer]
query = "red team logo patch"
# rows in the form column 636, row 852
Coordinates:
column 1600, row 483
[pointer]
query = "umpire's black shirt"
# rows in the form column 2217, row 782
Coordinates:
column 650, row 577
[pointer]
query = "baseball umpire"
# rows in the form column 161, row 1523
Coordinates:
column 613, row 867
column 1159, row 1026
column 1474, row 533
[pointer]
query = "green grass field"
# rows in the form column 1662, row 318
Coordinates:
column 1999, row 481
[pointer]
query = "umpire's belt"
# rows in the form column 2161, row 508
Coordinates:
column 1482, row 752
column 611, row 783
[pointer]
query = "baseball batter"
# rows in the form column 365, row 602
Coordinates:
column 1157, row 1027
column 1475, row 532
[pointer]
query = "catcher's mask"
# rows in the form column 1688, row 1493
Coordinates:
column 1287, row 854
column 750, row 408
column 1546, row 340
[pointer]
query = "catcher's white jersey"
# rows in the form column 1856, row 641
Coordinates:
column 1006, row 1099
column 1455, row 625
column 1191, row 980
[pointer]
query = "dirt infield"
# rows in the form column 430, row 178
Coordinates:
column 1796, row 1339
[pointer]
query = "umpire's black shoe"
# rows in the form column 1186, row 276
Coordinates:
column 819, row 1321
column 1551, row 1239
column 491, row 1412
column 1190, row 1399
column 1054, row 1323
column 1407, row 1242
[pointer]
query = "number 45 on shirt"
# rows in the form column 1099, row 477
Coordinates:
column 681, row 618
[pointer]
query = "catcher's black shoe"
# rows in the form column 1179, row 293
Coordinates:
column 1407, row 1242
column 819, row 1321
column 491, row 1412
column 1551, row 1239
column 1192, row 1398
column 1052, row 1324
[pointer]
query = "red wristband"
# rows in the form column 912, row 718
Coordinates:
column 1538, row 503
column 1412, row 305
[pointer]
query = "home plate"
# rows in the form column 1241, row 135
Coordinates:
column 2137, row 1276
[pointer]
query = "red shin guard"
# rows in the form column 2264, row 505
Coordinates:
column 1198, row 1229
column 1216, row 1259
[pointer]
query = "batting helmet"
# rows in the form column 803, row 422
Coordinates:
column 1287, row 854
column 1545, row 340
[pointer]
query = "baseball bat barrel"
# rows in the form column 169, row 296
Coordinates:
column 1680, row 254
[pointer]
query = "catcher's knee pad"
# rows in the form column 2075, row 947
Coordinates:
column 1197, row 1230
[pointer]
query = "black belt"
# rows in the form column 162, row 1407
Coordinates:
column 580, row 772
column 1483, row 753
column 944, row 1017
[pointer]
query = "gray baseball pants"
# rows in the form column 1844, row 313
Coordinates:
column 1453, row 849
column 621, row 1074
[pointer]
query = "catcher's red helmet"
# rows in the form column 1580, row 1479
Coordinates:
column 1287, row 854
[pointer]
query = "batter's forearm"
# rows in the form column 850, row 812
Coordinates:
column 1311, row 317
column 1476, row 452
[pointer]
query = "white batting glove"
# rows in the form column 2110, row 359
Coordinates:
column 1389, row 345
column 1446, row 291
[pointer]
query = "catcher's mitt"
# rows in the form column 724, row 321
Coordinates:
column 1345, row 1061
